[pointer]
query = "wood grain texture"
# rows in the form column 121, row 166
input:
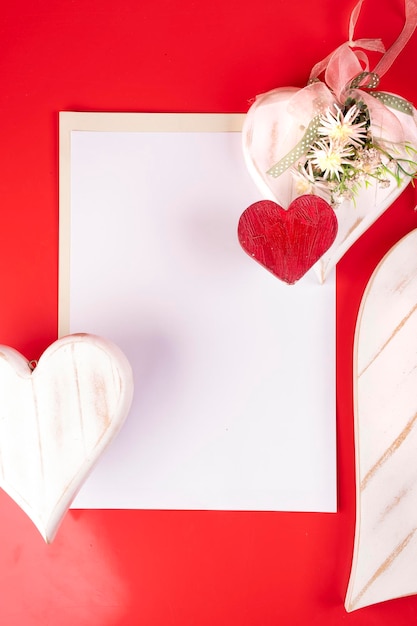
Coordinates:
column 56, row 420
column 288, row 243
column 385, row 553
column 274, row 126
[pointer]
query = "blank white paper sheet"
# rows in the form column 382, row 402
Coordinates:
column 234, row 403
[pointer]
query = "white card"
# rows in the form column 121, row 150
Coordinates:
column 234, row 404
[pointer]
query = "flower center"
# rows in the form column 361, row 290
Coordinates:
column 328, row 160
column 341, row 133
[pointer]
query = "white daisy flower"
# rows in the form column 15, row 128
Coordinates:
column 330, row 158
column 341, row 128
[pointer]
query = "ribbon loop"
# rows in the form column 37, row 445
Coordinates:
column 369, row 80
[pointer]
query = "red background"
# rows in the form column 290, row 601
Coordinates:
column 155, row 568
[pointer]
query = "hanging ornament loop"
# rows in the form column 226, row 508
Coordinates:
column 344, row 64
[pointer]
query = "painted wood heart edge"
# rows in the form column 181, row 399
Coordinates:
column 82, row 384
column 287, row 242
column 384, row 564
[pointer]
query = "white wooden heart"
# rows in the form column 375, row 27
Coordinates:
column 384, row 562
column 273, row 126
column 56, row 420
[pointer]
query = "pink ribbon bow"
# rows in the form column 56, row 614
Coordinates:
column 344, row 63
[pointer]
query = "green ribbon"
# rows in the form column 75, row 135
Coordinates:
column 370, row 80
column 301, row 148
column 393, row 102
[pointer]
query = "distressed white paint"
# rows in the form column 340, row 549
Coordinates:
column 273, row 128
column 385, row 554
column 57, row 420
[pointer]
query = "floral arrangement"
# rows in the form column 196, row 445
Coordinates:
column 338, row 138
column 345, row 156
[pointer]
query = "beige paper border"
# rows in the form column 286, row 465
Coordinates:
column 116, row 122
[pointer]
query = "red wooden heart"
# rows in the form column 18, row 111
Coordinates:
column 288, row 242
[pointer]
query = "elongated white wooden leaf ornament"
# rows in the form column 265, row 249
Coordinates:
column 385, row 554
column 56, row 420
